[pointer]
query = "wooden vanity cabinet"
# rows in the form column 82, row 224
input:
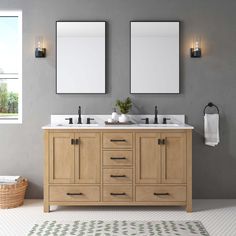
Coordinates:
column 74, row 158
column 72, row 168
column 118, row 167
column 61, row 158
column 87, row 158
column 161, row 158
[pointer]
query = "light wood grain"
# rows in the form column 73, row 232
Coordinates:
column 150, row 167
column 189, row 171
column 109, row 158
column 173, row 154
column 117, row 176
column 128, row 203
column 87, row 158
column 157, row 193
column 117, row 189
column 46, row 206
column 61, row 157
column 117, row 140
column 148, row 158
column 87, row 193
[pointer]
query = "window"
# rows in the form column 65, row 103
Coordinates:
column 10, row 67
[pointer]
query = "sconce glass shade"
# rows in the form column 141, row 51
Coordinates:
column 196, row 51
column 40, row 50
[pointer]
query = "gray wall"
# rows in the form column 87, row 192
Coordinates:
column 211, row 78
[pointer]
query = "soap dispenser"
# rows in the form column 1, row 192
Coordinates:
column 114, row 115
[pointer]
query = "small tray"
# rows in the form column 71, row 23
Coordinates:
column 119, row 123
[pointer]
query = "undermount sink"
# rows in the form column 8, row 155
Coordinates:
column 159, row 125
column 78, row 125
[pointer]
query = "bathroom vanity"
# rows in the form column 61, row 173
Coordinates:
column 118, row 165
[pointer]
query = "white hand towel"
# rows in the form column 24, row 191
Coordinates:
column 9, row 178
column 211, row 129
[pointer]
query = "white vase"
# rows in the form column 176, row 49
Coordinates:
column 123, row 118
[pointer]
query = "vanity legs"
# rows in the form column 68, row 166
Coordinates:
column 46, row 208
column 189, row 208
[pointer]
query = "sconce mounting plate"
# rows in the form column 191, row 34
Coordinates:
column 40, row 52
column 195, row 53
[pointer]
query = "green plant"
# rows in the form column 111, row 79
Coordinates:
column 125, row 105
column 3, row 97
column 8, row 100
column 12, row 102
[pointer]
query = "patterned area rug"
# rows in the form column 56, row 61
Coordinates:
column 119, row 228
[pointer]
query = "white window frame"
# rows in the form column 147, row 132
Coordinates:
column 17, row 76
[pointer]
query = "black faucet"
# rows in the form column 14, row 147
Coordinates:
column 70, row 120
column 79, row 118
column 89, row 120
column 146, row 120
column 155, row 119
column 165, row 120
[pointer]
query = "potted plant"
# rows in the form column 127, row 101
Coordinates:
column 124, row 107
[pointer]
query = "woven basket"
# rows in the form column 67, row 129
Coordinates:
column 12, row 195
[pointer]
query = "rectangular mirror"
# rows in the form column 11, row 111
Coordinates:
column 81, row 57
column 155, row 57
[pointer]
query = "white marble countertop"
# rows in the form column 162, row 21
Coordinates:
column 133, row 126
column 59, row 122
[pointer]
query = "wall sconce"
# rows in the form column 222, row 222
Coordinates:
column 195, row 51
column 40, row 51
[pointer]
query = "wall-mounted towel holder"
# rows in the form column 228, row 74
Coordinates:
column 210, row 104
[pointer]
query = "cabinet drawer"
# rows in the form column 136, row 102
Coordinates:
column 74, row 193
column 117, row 158
column 117, row 176
column 160, row 193
column 117, row 193
column 117, row 140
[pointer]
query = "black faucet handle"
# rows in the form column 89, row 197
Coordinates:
column 89, row 120
column 165, row 120
column 70, row 120
column 146, row 120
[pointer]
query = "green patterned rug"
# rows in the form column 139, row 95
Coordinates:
column 119, row 228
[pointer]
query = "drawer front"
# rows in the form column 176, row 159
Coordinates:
column 117, row 176
column 117, row 193
column 117, row 140
column 117, row 158
column 160, row 193
column 74, row 193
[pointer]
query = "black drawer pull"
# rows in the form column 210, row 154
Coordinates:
column 117, row 194
column 77, row 141
column 118, row 176
column 161, row 194
column 72, row 141
column 118, row 158
column 74, row 194
column 118, row 140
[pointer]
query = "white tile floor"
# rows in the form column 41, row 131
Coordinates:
column 218, row 216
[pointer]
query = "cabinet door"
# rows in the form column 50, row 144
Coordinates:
column 148, row 159
column 61, row 158
column 174, row 157
column 87, row 158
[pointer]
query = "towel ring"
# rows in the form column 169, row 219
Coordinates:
column 210, row 104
